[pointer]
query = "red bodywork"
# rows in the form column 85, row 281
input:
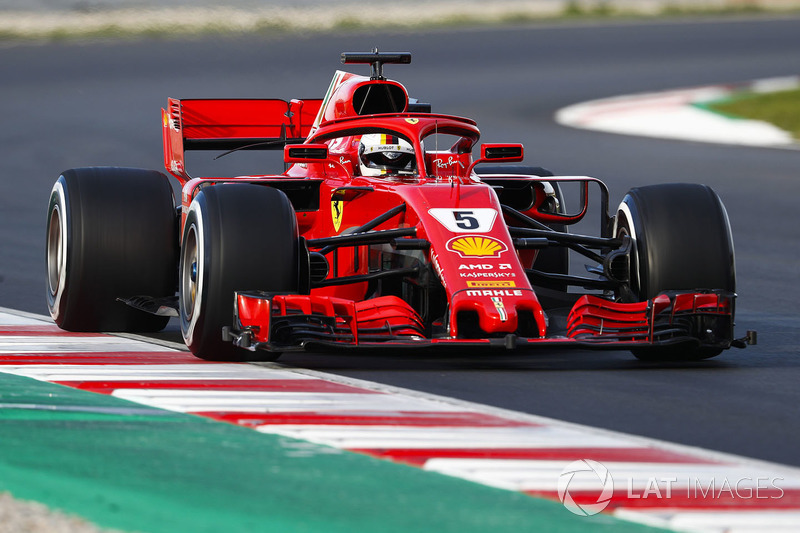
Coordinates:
column 465, row 281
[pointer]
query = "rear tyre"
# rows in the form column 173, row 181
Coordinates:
column 236, row 237
column 111, row 233
column 681, row 241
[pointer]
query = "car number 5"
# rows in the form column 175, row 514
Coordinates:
column 474, row 220
column 466, row 220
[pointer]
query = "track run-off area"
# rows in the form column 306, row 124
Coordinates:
column 206, row 476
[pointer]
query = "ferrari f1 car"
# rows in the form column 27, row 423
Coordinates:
column 382, row 231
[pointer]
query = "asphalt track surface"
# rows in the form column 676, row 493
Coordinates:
column 79, row 104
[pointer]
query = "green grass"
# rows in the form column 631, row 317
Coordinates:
column 781, row 108
column 573, row 10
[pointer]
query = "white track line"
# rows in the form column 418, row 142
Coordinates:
column 674, row 115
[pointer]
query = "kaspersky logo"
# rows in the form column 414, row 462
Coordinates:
column 470, row 246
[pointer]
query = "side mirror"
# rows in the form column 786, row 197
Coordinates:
column 305, row 153
column 499, row 153
column 511, row 153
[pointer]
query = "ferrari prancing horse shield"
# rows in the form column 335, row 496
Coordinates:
column 337, row 209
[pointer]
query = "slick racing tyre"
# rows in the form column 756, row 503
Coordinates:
column 681, row 241
column 111, row 233
column 236, row 237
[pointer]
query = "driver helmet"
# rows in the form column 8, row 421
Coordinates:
column 382, row 154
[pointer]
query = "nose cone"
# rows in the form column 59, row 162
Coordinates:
column 490, row 312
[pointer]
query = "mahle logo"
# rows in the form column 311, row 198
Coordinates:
column 588, row 478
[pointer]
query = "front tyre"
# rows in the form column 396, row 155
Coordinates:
column 236, row 237
column 111, row 233
column 681, row 241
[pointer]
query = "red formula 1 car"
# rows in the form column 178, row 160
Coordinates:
column 383, row 231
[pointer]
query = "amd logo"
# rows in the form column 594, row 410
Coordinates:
column 484, row 266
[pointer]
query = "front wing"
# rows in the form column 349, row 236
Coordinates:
column 281, row 322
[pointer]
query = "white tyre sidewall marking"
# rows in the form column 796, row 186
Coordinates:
column 58, row 203
column 197, row 223
column 623, row 207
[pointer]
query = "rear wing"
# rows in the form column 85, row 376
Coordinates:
column 229, row 124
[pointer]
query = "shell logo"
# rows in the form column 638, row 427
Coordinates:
column 476, row 246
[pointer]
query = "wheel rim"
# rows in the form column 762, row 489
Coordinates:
column 189, row 273
column 55, row 251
